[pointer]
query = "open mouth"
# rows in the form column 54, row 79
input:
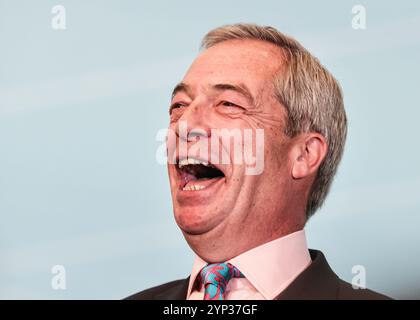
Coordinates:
column 197, row 175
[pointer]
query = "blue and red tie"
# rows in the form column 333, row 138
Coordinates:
column 215, row 278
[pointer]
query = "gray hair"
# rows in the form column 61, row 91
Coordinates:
column 311, row 95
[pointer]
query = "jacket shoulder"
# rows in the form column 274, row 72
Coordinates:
column 347, row 292
column 170, row 290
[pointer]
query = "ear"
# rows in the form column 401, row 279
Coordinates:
column 308, row 153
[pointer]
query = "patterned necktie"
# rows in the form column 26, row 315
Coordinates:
column 215, row 278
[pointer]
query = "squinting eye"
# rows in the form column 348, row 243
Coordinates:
column 229, row 104
column 176, row 106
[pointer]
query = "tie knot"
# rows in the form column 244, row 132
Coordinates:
column 215, row 278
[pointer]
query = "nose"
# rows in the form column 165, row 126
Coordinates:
column 194, row 124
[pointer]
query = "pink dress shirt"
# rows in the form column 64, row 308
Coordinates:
column 268, row 269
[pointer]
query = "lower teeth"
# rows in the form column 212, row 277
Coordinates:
column 193, row 188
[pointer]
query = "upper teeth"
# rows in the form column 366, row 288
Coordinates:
column 187, row 161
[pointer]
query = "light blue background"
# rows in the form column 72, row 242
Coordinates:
column 80, row 108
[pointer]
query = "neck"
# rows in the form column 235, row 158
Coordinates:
column 221, row 244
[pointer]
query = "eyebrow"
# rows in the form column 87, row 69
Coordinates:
column 239, row 88
column 181, row 87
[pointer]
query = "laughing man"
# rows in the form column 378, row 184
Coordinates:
column 247, row 228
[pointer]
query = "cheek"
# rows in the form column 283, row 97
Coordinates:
column 176, row 114
column 277, row 151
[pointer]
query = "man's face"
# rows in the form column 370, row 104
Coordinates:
column 221, row 208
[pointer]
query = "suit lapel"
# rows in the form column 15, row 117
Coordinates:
column 176, row 292
column 316, row 282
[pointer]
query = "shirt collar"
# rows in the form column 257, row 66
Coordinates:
column 270, row 267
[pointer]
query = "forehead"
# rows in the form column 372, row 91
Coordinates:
column 252, row 62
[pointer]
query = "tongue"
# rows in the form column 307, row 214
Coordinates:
column 190, row 178
column 187, row 177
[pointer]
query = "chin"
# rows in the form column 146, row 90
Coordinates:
column 197, row 220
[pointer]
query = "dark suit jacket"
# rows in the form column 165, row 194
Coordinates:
column 316, row 282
